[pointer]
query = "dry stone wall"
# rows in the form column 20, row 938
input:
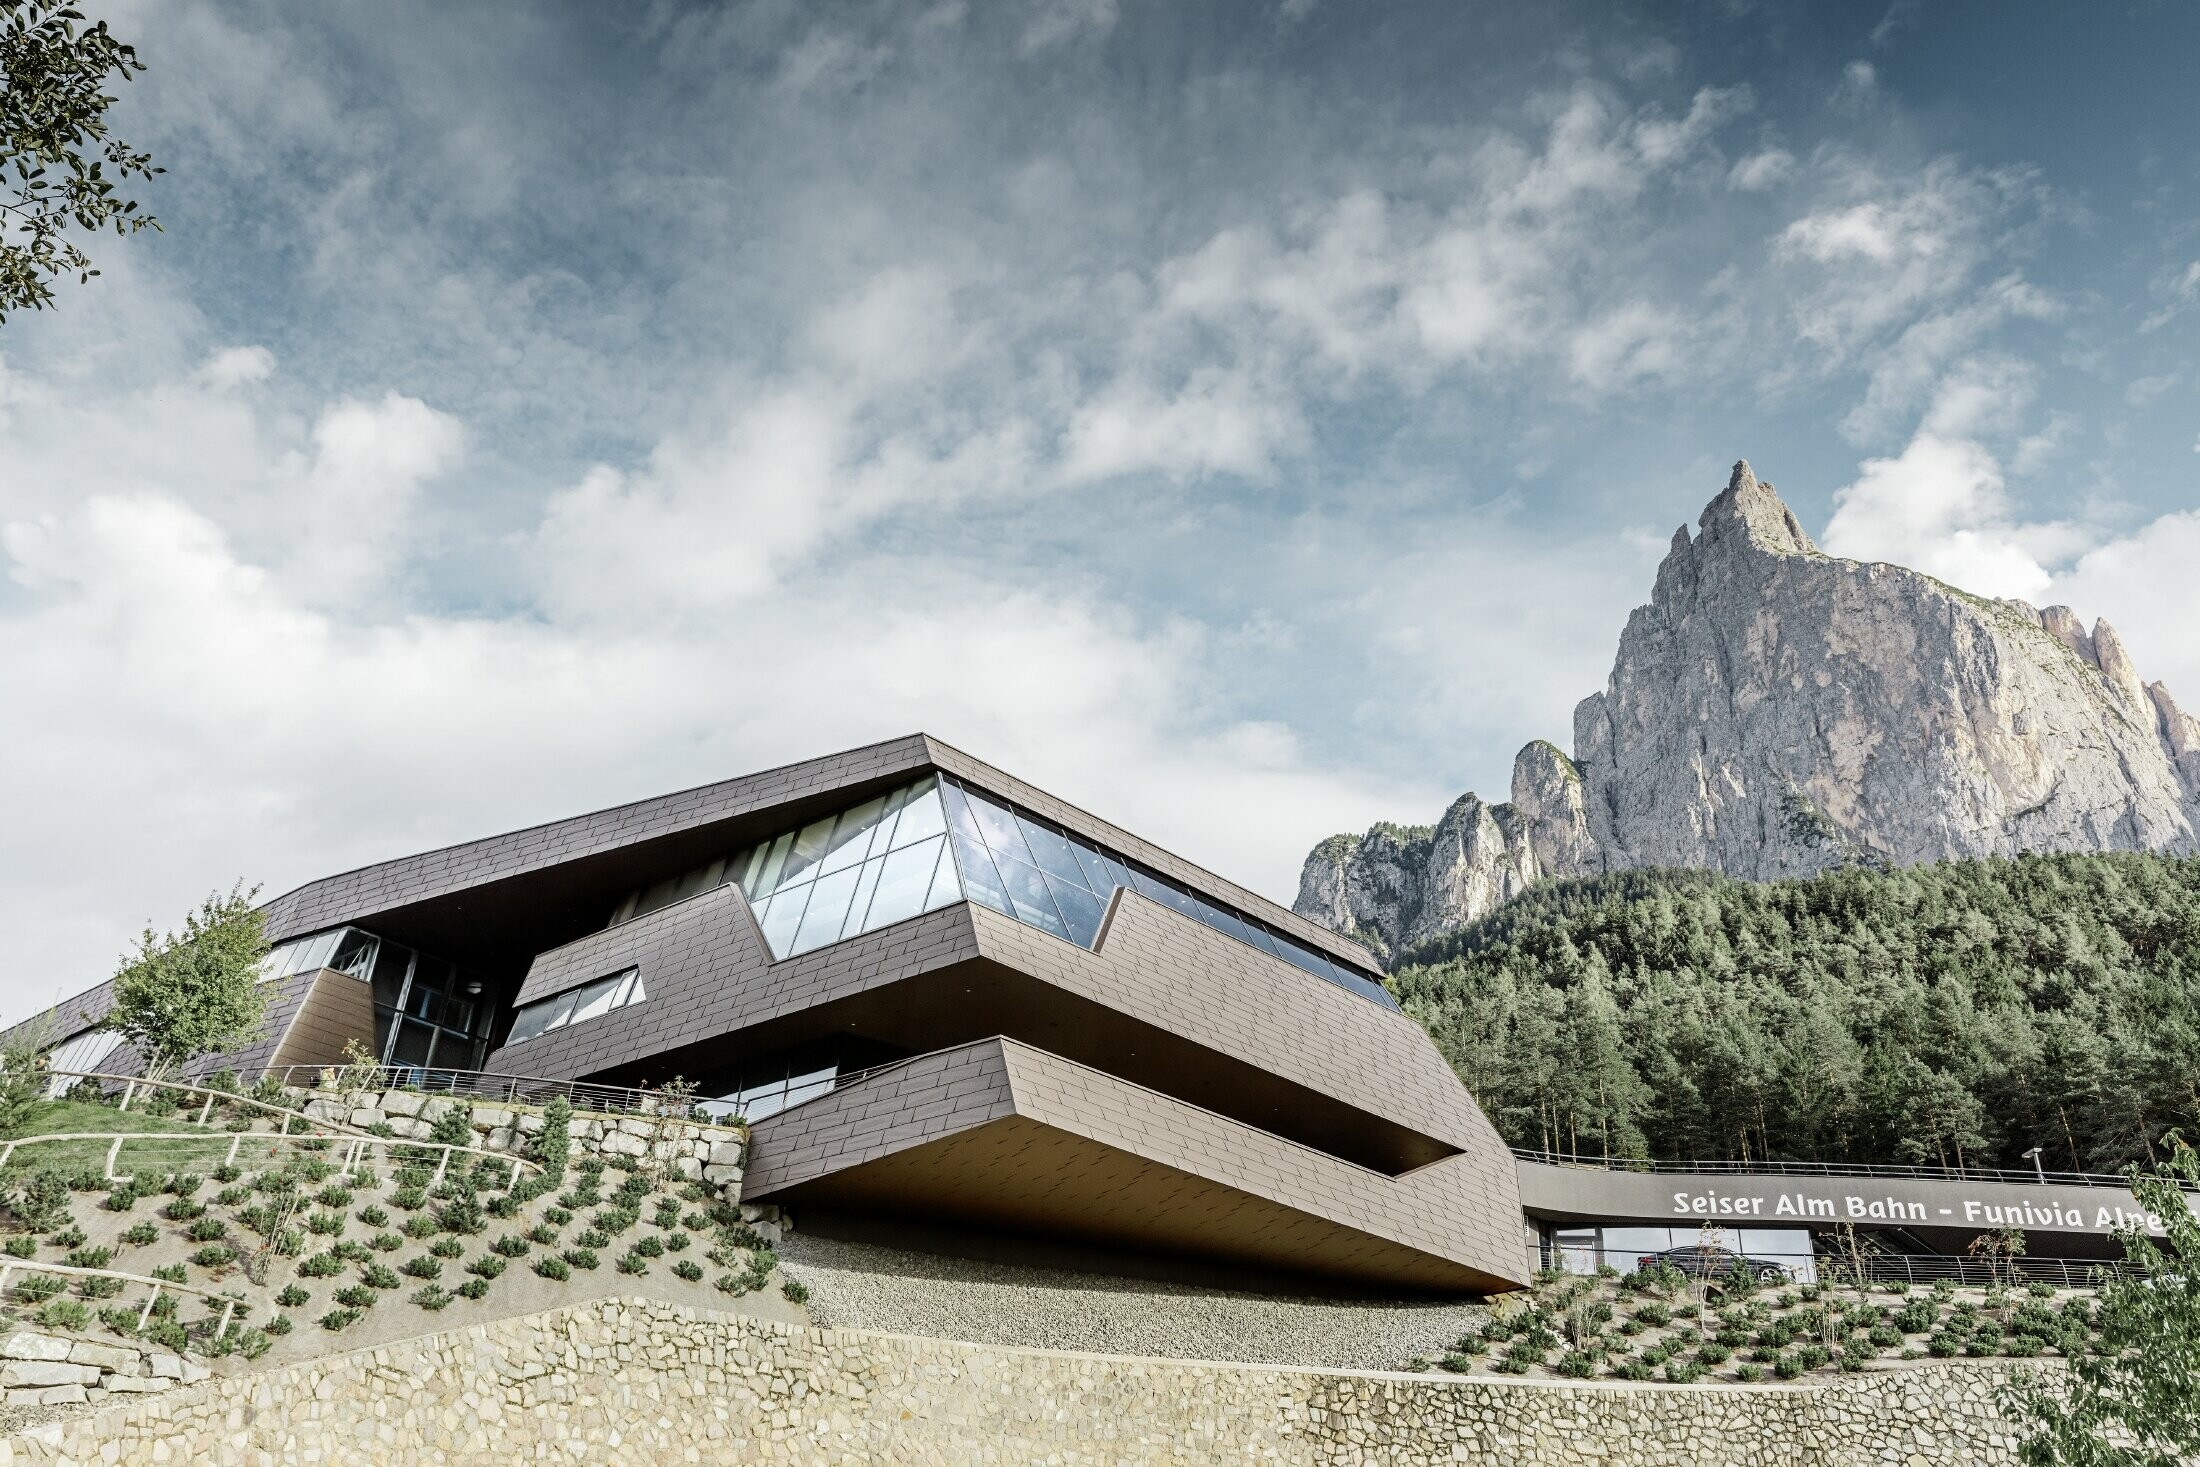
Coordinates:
column 48, row 1370
column 694, row 1150
column 635, row 1382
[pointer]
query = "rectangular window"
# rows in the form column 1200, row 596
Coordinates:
column 576, row 1005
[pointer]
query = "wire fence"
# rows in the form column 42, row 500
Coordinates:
column 486, row 1085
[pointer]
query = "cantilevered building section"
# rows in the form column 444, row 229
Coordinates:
column 946, row 1001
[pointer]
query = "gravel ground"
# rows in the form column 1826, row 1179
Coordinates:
column 860, row 1286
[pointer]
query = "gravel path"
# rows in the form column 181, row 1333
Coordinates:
column 860, row 1286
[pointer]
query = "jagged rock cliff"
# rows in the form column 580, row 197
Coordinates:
column 1775, row 711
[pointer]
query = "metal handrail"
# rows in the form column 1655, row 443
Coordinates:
column 482, row 1085
column 2113, row 1180
column 29, row 1267
column 315, row 1129
column 353, row 1147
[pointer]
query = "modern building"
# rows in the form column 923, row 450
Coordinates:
column 960, row 1013
column 949, row 1003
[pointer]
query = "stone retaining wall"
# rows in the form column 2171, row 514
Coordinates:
column 695, row 1151
column 635, row 1382
column 48, row 1370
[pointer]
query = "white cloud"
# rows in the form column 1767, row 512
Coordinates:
column 351, row 508
column 1765, row 169
column 236, row 366
column 1859, row 83
column 2143, row 583
column 1940, row 507
column 1052, row 22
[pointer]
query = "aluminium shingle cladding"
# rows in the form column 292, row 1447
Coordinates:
column 707, row 973
column 1465, row 1209
column 356, row 895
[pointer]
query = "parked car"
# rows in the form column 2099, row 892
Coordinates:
column 1700, row 1262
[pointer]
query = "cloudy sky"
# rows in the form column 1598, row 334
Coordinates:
column 1249, row 421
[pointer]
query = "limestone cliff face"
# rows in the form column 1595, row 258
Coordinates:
column 1774, row 711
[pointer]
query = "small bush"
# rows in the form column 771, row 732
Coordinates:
column 121, row 1199
column 89, row 1257
column 432, row 1296
column 373, row 1216
column 487, row 1266
column 551, row 1267
column 1787, row 1367
column 355, row 1296
column 171, row 1274
column 797, row 1292
column 337, row 1319
column 385, row 1242
column 140, row 1235
column 423, row 1266
column 1576, row 1365
column 542, row 1233
column 446, row 1247
column 696, row 1222
column 214, row 1255
column 1749, row 1374
column 421, row 1225
column 726, row 1283
column 71, row 1236
column 1713, row 1353
column 557, row 1216
column 462, row 1215
column 591, row 1238
column 325, row 1224
column 409, row 1198
column 320, row 1266
column 65, row 1314
column 24, row 1245
column 334, row 1196
column 39, row 1287
column 1654, row 1314
column 473, row 1288
column 649, row 1247
column 293, row 1297
column 689, row 1269
column 506, row 1206
column 677, row 1242
column 227, row 1172
column 379, row 1276
column 509, row 1246
column 631, row 1262
column 232, row 1196
column 1812, row 1357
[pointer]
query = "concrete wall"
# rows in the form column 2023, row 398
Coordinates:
column 631, row 1382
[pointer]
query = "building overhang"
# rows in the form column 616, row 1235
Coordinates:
column 1000, row 1136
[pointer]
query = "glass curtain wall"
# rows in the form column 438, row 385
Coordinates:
column 1585, row 1250
column 937, row 841
column 577, row 1005
column 884, row 861
column 427, row 1011
column 1045, row 877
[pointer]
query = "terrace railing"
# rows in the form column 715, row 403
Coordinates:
column 480, row 1085
column 2022, row 1176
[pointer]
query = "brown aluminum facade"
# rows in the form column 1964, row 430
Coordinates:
column 1168, row 1087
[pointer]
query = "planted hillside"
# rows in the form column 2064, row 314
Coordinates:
column 1955, row 1014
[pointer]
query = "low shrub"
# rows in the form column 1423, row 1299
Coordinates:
column 214, row 1255
column 378, row 1276
column 446, row 1246
column 292, row 1297
column 423, row 1266
column 432, row 1296
column 487, row 1266
column 633, row 1263
column 65, row 1314
column 582, row 1258
column 355, row 1296
column 325, row 1224
column 320, row 1266
column 552, row 1267
column 385, row 1242
column 337, row 1319
column 689, row 1269
column 139, row 1235
column 373, row 1216
column 473, row 1288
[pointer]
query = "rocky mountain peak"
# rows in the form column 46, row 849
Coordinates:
column 1775, row 711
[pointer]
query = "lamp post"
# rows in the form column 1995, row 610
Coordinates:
column 2033, row 1156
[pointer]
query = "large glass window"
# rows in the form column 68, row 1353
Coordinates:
column 575, row 1005
column 80, row 1054
column 1059, row 882
column 882, row 862
column 1586, row 1249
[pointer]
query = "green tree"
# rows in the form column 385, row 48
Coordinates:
column 59, row 171
column 2136, row 1401
column 195, row 992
